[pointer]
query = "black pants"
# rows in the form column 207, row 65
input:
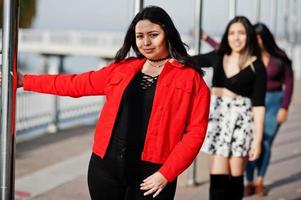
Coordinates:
column 118, row 177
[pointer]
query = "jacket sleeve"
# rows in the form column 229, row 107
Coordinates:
column 194, row 133
column 206, row 60
column 259, row 85
column 73, row 85
column 288, row 85
column 214, row 44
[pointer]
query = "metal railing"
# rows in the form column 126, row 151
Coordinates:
column 36, row 113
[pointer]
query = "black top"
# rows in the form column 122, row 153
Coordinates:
column 249, row 82
column 134, row 112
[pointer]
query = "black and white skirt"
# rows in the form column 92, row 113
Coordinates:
column 230, row 127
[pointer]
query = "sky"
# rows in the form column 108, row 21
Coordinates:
column 115, row 15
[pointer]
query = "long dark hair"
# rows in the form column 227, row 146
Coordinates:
column 252, row 48
column 269, row 43
column 175, row 45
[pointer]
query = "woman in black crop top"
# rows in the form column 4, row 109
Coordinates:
column 237, row 109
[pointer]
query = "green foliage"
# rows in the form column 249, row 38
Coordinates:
column 27, row 13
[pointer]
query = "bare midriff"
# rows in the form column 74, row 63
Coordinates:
column 223, row 92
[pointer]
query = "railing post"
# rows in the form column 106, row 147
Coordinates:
column 192, row 171
column 8, row 98
column 57, row 68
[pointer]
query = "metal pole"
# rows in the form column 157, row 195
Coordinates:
column 257, row 10
column 232, row 9
column 297, row 20
column 197, row 25
column 294, row 23
column 138, row 6
column 197, row 46
column 8, row 97
column 286, row 21
column 274, row 8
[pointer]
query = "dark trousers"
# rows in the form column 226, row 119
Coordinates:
column 118, row 177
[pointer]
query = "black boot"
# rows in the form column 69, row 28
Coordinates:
column 237, row 187
column 219, row 187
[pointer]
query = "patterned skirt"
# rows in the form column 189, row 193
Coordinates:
column 230, row 127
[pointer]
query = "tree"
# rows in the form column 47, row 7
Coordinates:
column 27, row 13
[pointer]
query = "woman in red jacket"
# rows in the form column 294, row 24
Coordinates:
column 154, row 119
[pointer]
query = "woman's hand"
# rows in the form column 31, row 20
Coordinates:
column 258, row 113
column 154, row 184
column 0, row 78
column 203, row 36
column 282, row 115
column 255, row 151
column 19, row 79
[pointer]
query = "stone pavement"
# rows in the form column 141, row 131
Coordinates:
column 54, row 166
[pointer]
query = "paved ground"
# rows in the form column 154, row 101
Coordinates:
column 53, row 167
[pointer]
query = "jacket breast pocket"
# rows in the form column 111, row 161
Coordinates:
column 182, row 94
column 177, row 94
column 184, row 86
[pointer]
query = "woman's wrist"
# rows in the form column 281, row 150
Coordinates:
column 257, row 142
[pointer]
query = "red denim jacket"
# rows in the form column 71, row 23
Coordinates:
column 178, row 121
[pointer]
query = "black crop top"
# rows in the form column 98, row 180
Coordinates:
column 249, row 82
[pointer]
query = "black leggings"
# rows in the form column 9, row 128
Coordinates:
column 120, row 179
